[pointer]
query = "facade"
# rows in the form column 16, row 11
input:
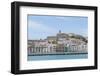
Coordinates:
column 61, row 43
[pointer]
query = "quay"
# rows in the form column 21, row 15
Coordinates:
column 61, row 53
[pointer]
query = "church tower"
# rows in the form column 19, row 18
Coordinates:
column 59, row 31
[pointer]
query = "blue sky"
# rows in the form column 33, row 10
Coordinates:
column 39, row 27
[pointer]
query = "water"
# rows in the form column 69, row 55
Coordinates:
column 57, row 57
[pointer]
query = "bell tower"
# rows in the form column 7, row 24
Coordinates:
column 59, row 31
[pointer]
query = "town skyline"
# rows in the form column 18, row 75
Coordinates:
column 39, row 27
column 56, row 34
column 61, row 43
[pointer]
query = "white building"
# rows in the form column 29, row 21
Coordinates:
column 50, row 45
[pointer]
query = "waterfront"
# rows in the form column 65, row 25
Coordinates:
column 52, row 38
column 60, row 43
column 57, row 57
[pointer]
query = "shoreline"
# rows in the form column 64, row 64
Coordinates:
column 56, row 54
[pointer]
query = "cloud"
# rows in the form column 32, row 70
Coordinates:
column 69, row 18
column 62, row 18
column 40, row 27
column 83, row 32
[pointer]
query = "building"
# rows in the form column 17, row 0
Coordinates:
column 62, row 36
column 60, row 43
column 60, row 48
column 52, row 39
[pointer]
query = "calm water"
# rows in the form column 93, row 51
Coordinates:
column 55, row 57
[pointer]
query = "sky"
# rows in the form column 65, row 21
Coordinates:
column 41, row 26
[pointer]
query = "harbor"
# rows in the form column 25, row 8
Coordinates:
column 60, row 53
column 57, row 57
column 61, row 44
